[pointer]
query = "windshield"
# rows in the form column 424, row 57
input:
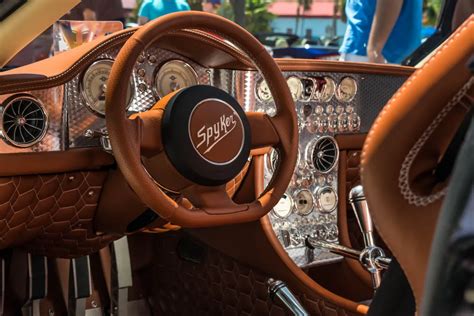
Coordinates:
column 311, row 29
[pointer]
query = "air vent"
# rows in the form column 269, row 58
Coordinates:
column 24, row 121
column 323, row 154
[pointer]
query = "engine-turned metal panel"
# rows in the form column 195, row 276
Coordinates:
column 327, row 104
column 144, row 96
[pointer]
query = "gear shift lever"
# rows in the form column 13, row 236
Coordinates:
column 361, row 211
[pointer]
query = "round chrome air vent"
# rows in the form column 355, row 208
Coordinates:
column 322, row 154
column 24, row 121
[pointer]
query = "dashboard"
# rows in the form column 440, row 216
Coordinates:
column 72, row 116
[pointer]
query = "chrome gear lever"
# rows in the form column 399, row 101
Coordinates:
column 371, row 251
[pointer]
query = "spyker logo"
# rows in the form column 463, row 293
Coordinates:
column 216, row 131
column 212, row 135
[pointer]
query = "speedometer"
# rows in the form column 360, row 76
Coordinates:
column 94, row 85
column 174, row 75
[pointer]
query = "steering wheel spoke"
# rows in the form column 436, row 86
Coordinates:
column 212, row 200
column 263, row 130
column 148, row 127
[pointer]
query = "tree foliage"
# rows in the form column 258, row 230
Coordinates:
column 257, row 17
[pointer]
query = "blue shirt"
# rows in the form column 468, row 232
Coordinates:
column 153, row 9
column 403, row 40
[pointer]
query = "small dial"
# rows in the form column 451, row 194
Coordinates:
column 272, row 158
column 263, row 91
column 284, row 207
column 346, row 90
column 304, row 202
column 94, row 85
column 326, row 199
column 174, row 75
column 325, row 89
column 296, row 87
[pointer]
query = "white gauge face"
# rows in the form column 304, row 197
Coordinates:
column 94, row 85
column 272, row 160
column 263, row 91
column 284, row 207
column 174, row 75
column 304, row 202
column 325, row 89
column 327, row 199
column 346, row 90
column 296, row 87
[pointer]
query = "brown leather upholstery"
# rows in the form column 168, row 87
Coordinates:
column 404, row 146
column 219, row 285
column 51, row 214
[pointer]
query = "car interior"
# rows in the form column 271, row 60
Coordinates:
column 177, row 168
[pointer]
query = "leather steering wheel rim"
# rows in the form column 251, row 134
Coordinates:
column 126, row 135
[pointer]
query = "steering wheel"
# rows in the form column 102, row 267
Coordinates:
column 195, row 140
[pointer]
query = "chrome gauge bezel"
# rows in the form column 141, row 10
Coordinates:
column 309, row 154
column 82, row 87
column 258, row 91
column 352, row 95
column 182, row 65
column 295, row 201
column 330, row 81
column 8, row 102
column 298, row 85
column 291, row 209
column 319, row 203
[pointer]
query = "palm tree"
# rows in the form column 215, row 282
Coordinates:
column 305, row 5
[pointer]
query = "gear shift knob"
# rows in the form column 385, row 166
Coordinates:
column 361, row 211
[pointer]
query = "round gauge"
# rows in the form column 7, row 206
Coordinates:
column 94, row 85
column 284, row 207
column 296, row 87
column 346, row 90
column 272, row 160
column 325, row 89
column 263, row 91
column 326, row 199
column 174, row 75
column 304, row 202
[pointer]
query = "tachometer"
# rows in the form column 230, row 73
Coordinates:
column 174, row 75
column 94, row 85
column 325, row 89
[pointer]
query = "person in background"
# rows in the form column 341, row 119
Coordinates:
column 152, row 9
column 381, row 31
column 98, row 10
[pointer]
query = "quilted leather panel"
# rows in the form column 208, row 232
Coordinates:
column 219, row 285
column 51, row 214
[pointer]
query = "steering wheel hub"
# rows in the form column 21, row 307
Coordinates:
column 206, row 135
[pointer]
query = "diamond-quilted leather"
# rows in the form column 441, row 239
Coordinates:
column 52, row 214
column 219, row 285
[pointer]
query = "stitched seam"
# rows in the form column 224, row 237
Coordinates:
column 403, row 180
column 403, row 88
column 45, row 82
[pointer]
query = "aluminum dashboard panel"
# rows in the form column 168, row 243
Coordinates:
column 310, row 204
column 81, row 119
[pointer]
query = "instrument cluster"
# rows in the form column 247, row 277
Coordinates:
column 157, row 72
column 325, row 104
